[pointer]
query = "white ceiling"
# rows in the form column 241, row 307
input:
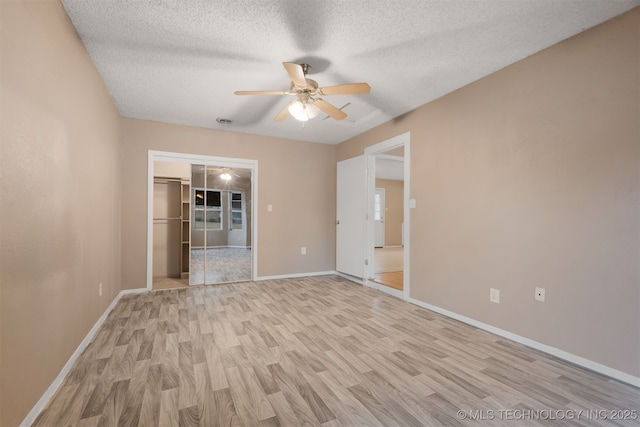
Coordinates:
column 179, row 61
column 389, row 167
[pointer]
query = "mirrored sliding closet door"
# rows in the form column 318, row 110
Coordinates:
column 220, row 225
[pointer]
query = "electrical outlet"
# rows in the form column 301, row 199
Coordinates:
column 100, row 289
column 494, row 295
column 269, row 208
column 303, row 250
column 539, row 295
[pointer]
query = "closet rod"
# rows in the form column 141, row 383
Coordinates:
column 166, row 219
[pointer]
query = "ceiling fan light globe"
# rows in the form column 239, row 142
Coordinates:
column 302, row 112
column 296, row 109
column 312, row 110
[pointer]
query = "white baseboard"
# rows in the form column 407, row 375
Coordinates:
column 373, row 285
column 48, row 394
column 569, row 357
column 384, row 289
column 295, row 275
column 349, row 277
column 222, row 247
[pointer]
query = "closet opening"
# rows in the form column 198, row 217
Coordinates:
column 202, row 225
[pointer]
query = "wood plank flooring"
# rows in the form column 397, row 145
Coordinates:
column 310, row 352
column 160, row 283
column 389, row 267
column 221, row 265
column 393, row 279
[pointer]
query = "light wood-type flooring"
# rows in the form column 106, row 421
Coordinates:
column 222, row 265
column 388, row 269
column 310, row 352
column 160, row 283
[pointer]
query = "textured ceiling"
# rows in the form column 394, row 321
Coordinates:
column 179, row 61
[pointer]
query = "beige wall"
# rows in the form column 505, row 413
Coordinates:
column 530, row 177
column 172, row 170
column 60, row 205
column 297, row 178
column 394, row 215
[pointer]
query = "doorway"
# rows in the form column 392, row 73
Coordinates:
column 209, row 207
column 387, row 231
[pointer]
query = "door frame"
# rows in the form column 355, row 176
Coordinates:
column 228, row 162
column 403, row 140
column 383, row 214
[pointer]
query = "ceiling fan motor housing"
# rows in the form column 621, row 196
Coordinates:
column 306, row 90
column 311, row 87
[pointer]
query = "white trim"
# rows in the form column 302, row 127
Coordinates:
column 385, row 289
column 371, row 152
column 222, row 247
column 354, row 279
column 564, row 355
column 373, row 285
column 229, row 162
column 406, row 223
column 390, row 157
column 149, row 254
column 53, row 387
column 295, row 275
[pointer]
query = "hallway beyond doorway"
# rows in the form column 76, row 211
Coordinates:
column 389, row 267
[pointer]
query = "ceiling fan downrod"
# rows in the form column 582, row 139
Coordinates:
column 305, row 68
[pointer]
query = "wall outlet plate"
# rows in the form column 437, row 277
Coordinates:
column 539, row 295
column 494, row 295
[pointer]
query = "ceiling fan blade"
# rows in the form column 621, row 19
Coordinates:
column 295, row 72
column 330, row 109
column 282, row 114
column 261, row 92
column 353, row 88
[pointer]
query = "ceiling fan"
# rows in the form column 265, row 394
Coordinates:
column 227, row 174
column 224, row 173
column 307, row 104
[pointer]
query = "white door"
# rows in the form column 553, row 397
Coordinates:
column 351, row 216
column 378, row 217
